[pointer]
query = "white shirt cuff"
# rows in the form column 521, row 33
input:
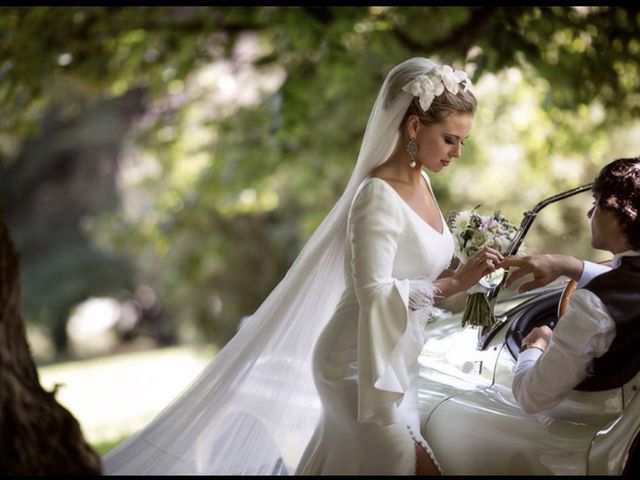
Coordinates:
column 590, row 271
column 531, row 354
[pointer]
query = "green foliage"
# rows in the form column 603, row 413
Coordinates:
column 585, row 52
column 219, row 190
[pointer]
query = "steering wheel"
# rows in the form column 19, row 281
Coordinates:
column 563, row 304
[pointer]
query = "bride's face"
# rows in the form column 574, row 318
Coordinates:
column 441, row 142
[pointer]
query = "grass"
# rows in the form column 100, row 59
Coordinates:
column 112, row 397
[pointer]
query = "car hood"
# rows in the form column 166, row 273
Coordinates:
column 450, row 361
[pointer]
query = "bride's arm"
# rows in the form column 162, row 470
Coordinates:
column 447, row 273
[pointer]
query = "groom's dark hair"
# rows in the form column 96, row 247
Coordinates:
column 617, row 190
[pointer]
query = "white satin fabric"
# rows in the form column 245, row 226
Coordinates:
column 365, row 362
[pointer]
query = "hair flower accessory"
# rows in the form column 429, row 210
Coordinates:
column 428, row 86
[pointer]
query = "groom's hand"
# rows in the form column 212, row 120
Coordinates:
column 544, row 268
column 539, row 337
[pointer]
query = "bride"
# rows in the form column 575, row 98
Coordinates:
column 321, row 378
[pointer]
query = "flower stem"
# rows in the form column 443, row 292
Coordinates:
column 478, row 311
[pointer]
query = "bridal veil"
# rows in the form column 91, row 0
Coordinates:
column 254, row 408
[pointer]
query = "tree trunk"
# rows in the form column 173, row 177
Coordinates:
column 38, row 436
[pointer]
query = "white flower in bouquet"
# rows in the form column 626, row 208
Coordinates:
column 472, row 232
column 461, row 221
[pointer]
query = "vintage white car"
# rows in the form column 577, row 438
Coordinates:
column 471, row 419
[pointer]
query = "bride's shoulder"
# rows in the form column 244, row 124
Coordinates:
column 376, row 195
column 374, row 190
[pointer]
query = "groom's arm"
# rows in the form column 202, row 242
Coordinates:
column 545, row 269
column 547, row 373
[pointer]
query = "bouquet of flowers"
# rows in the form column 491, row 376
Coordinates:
column 473, row 232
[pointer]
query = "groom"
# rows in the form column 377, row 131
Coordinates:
column 596, row 341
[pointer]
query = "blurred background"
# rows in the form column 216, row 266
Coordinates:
column 161, row 167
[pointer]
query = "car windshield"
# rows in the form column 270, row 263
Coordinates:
column 563, row 228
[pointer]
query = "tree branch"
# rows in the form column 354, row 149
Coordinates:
column 459, row 39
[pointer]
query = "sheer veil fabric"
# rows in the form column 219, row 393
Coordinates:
column 254, row 408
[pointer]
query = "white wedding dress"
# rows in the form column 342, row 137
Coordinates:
column 255, row 409
column 365, row 361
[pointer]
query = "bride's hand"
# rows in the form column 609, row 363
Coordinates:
column 482, row 263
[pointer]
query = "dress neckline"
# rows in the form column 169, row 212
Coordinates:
column 403, row 201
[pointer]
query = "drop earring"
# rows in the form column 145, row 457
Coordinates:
column 412, row 148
